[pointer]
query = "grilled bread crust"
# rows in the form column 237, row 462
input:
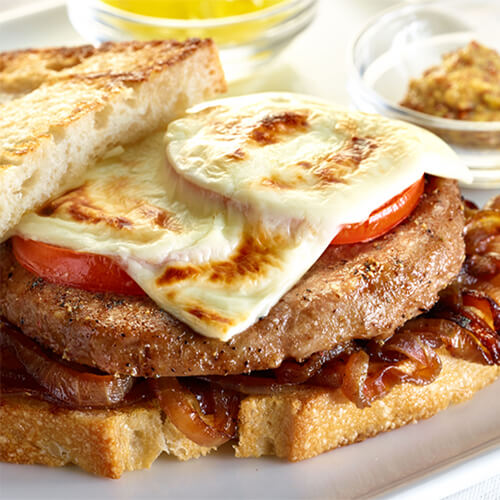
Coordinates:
column 61, row 108
column 295, row 426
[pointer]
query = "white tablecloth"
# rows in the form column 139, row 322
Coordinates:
column 485, row 490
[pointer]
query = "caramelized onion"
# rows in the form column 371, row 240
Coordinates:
column 365, row 381
column 481, row 227
column 226, row 406
column 467, row 318
column 330, row 375
column 355, row 374
column 493, row 203
column 382, row 381
column 481, row 303
column 492, row 246
column 414, row 347
column 76, row 387
column 483, row 267
column 250, row 384
column 323, row 369
column 459, row 341
column 364, row 375
column 486, row 340
column 320, row 369
column 179, row 405
column 293, row 372
column 420, row 350
column 492, row 291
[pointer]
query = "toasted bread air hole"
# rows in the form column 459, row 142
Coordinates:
column 58, row 133
column 138, row 438
column 101, row 118
column 30, row 184
column 59, row 65
column 56, row 450
column 182, row 101
column 131, row 103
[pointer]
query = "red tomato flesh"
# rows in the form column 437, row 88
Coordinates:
column 384, row 218
column 95, row 273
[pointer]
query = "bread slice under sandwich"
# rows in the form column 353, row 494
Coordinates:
column 294, row 426
column 61, row 108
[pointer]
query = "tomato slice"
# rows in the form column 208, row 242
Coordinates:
column 95, row 273
column 384, row 218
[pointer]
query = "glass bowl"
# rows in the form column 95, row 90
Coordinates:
column 246, row 41
column 400, row 44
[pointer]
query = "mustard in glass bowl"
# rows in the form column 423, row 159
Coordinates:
column 437, row 49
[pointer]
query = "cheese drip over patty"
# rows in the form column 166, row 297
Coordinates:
column 221, row 216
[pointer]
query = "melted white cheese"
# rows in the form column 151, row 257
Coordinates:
column 247, row 196
column 300, row 157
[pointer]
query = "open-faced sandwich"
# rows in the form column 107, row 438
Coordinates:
column 263, row 269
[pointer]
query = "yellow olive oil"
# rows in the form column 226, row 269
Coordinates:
column 192, row 9
column 180, row 11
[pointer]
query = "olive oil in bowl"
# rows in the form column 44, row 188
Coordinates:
column 192, row 9
column 248, row 33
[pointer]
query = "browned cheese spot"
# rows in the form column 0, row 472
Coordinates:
column 236, row 155
column 273, row 127
column 263, row 131
column 334, row 167
column 78, row 205
column 305, row 164
column 250, row 260
column 329, row 169
column 209, row 316
column 159, row 217
column 276, row 182
column 174, row 274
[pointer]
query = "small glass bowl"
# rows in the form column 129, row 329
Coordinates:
column 246, row 42
column 404, row 41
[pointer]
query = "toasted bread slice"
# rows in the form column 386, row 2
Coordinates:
column 295, row 426
column 64, row 107
column 103, row 442
column 307, row 423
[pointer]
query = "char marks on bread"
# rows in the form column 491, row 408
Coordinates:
column 62, row 108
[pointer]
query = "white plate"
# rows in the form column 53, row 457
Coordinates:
column 431, row 459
